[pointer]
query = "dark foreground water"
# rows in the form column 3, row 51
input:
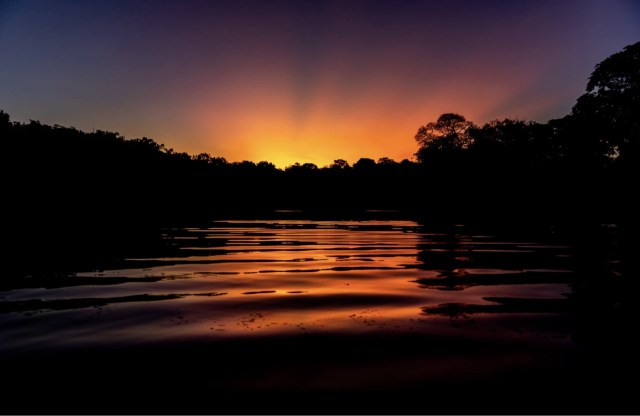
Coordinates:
column 341, row 316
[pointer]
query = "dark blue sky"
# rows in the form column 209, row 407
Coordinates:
column 299, row 80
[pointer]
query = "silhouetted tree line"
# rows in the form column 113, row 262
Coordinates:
column 76, row 195
column 583, row 165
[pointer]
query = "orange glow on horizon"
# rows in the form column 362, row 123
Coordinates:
column 328, row 131
column 338, row 116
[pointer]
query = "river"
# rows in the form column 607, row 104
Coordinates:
column 391, row 305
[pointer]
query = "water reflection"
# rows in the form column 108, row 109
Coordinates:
column 421, row 315
column 241, row 278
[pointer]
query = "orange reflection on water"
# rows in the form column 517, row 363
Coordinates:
column 246, row 278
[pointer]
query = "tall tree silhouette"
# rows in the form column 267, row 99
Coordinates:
column 339, row 164
column 449, row 133
column 607, row 116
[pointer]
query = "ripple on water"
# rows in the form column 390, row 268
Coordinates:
column 316, row 275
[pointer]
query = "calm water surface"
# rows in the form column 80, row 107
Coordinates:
column 288, row 277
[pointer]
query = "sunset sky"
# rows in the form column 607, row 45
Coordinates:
column 300, row 80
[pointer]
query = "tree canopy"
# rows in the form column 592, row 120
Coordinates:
column 449, row 133
column 607, row 116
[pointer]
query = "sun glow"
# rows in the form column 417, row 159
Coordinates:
column 329, row 114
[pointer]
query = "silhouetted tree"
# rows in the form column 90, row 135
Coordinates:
column 265, row 166
column 512, row 143
column 219, row 162
column 407, row 163
column 387, row 161
column 4, row 119
column 364, row 164
column 449, row 133
column 5, row 124
column 202, row 157
column 339, row 164
column 607, row 116
column 245, row 165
